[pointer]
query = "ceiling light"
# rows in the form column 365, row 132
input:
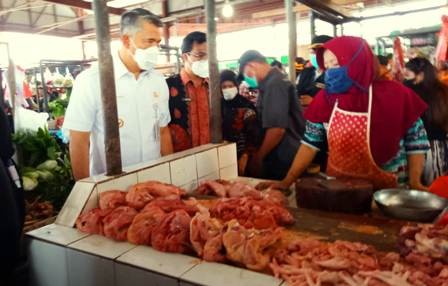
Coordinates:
column 227, row 10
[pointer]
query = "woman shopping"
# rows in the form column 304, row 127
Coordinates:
column 421, row 76
column 370, row 128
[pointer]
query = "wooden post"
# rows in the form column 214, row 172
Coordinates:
column 214, row 84
column 166, row 29
column 108, row 95
column 292, row 27
column 11, row 81
column 313, row 24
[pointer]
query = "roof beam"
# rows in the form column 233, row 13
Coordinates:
column 79, row 13
column 38, row 16
column 30, row 17
column 85, row 5
column 5, row 18
column 9, row 27
column 327, row 11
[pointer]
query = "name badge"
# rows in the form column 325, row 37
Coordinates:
column 120, row 122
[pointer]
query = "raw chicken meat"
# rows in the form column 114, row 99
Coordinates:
column 171, row 205
column 430, row 240
column 117, row 222
column 143, row 225
column 250, row 212
column 215, row 188
column 311, row 262
column 141, row 194
column 274, row 196
column 92, row 221
column 161, row 190
column 112, row 199
column 206, row 237
column 250, row 247
column 138, row 197
column 238, row 190
column 173, row 233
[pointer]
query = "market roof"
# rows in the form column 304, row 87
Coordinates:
column 74, row 17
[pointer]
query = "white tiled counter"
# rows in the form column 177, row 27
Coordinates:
column 60, row 255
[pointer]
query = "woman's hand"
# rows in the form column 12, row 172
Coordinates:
column 418, row 186
column 282, row 185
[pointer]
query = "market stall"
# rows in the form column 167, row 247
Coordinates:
column 61, row 255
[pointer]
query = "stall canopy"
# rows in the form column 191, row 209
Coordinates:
column 74, row 18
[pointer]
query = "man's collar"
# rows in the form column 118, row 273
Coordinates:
column 186, row 79
column 119, row 68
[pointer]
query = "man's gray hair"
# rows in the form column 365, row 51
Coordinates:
column 131, row 20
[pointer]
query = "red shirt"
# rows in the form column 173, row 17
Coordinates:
column 189, row 107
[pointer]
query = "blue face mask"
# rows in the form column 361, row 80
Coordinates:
column 251, row 81
column 313, row 60
column 337, row 79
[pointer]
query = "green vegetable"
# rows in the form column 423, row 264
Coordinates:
column 29, row 184
column 33, row 175
column 44, row 165
column 45, row 175
column 58, row 106
column 49, row 165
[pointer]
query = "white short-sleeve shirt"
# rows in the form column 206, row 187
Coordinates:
column 142, row 109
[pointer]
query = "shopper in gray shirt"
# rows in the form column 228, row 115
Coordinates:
column 280, row 115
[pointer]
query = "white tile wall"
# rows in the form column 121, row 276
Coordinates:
column 229, row 172
column 171, row 264
column 207, row 162
column 57, row 234
column 227, row 155
column 120, row 183
column 126, row 275
column 93, row 201
column 213, row 176
column 190, row 187
column 218, row 274
column 102, row 246
column 183, row 171
column 74, row 203
column 48, row 265
column 89, row 270
column 159, row 173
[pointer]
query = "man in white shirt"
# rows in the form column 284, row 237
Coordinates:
column 142, row 102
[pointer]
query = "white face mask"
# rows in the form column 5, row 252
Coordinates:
column 229, row 93
column 146, row 59
column 200, row 68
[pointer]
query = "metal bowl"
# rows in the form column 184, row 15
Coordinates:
column 410, row 204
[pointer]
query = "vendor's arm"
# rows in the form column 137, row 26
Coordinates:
column 416, row 145
column 272, row 138
column 79, row 120
column 314, row 139
column 79, row 153
column 416, row 164
column 166, row 144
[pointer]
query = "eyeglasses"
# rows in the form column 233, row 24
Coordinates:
column 198, row 56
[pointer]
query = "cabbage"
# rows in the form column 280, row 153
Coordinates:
column 45, row 175
column 29, row 184
column 48, row 165
column 32, row 174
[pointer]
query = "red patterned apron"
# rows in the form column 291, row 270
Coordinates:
column 349, row 148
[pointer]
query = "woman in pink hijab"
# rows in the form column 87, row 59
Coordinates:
column 371, row 128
